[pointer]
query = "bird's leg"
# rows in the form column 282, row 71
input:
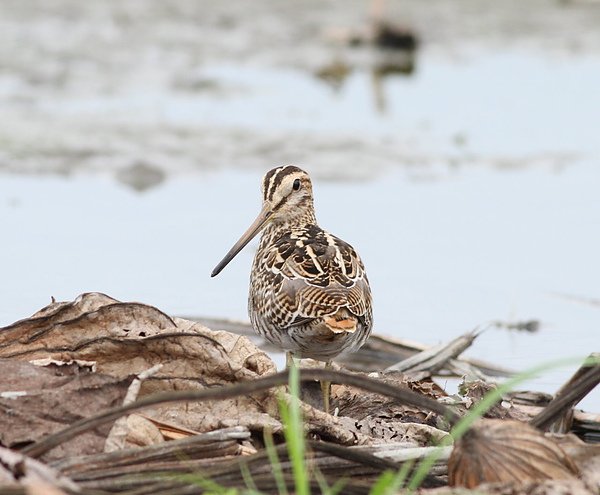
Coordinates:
column 326, row 388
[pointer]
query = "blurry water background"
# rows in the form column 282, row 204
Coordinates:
column 133, row 136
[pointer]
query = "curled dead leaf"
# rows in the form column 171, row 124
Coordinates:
column 547, row 487
column 127, row 338
column 142, row 431
column 48, row 398
column 360, row 404
column 503, row 451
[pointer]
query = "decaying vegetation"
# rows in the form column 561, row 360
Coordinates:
column 99, row 396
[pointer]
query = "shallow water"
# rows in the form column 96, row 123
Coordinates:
column 134, row 135
column 443, row 257
column 480, row 116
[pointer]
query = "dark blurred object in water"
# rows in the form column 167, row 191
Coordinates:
column 334, row 73
column 388, row 34
column 141, row 176
column 380, row 32
column 394, row 63
column 394, row 37
column 530, row 326
column 393, row 46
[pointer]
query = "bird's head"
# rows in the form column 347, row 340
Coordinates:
column 287, row 195
column 287, row 199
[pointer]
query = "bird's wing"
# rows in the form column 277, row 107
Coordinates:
column 315, row 275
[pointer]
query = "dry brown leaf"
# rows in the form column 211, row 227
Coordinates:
column 476, row 390
column 360, row 404
column 142, row 432
column 124, row 339
column 398, row 431
column 110, row 331
column 503, row 451
column 382, row 418
column 127, row 338
column 47, row 399
column 365, row 418
column 121, row 429
column 549, row 487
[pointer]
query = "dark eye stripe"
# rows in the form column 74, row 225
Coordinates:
column 277, row 178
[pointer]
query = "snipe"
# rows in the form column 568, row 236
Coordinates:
column 309, row 293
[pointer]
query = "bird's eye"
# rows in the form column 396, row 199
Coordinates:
column 296, row 185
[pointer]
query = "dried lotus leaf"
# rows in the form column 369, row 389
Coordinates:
column 504, row 451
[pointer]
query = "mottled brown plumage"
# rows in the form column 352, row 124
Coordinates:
column 309, row 293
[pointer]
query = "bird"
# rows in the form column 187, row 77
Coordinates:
column 309, row 293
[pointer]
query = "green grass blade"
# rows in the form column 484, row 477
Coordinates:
column 390, row 482
column 383, row 482
column 275, row 462
column 294, row 433
column 337, row 487
column 247, row 475
column 210, row 487
column 323, row 485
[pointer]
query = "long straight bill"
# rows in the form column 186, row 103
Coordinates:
column 255, row 228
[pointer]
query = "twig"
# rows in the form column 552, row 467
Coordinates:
column 579, row 385
column 358, row 456
column 435, row 358
column 153, row 452
column 245, row 388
